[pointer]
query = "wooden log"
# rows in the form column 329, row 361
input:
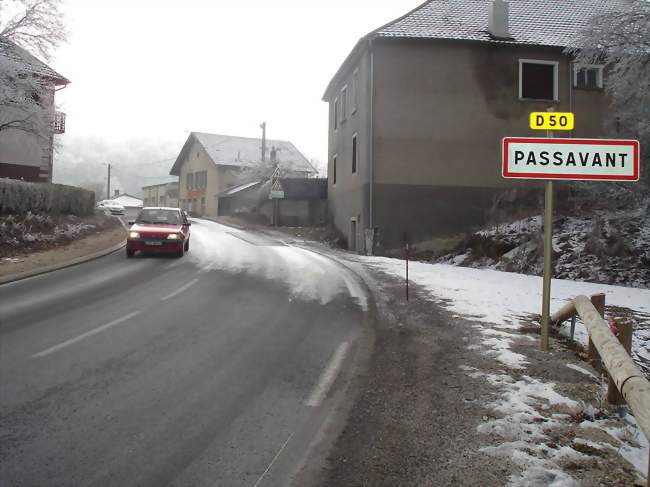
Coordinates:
column 564, row 313
column 626, row 375
column 598, row 300
column 624, row 327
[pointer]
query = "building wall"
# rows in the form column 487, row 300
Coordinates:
column 296, row 213
column 441, row 109
column 348, row 197
column 160, row 195
column 24, row 155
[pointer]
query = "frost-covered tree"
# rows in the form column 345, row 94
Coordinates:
column 620, row 40
column 27, row 28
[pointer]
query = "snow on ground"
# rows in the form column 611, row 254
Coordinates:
column 528, row 408
column 505, row 298
column 308, row 275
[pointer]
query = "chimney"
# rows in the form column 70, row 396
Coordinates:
column 498, row 19
column 117, row 193
column 274, row 155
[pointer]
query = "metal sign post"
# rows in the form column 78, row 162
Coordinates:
column 548, row 257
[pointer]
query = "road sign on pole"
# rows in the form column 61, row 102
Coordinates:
column 578, row 159
column 276, row 186
column 564, row 159
column 551, row 120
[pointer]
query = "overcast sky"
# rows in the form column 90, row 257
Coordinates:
column 162, row 68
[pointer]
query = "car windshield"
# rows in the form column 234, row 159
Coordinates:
column 161, row 217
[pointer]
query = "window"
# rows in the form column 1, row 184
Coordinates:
column 201, row 179
column 336, row 113
column 588, row 77
column 190, row 181
column 334, row 170
column 354, row 153
column 355, row 90
column 344, row 103
column 538, row 80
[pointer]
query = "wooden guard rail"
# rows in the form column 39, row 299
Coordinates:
column 624, row 373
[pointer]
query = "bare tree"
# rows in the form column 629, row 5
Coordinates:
column 620, row 40
column 26, row 90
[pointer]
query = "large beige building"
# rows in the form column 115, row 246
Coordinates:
column 28, row 121
column 418, row 110
column 209, row 164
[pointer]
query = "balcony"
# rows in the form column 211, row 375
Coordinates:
column 59, row 123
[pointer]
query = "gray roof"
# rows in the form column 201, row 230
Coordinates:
column 166, row 181
column 12, row 51
column 239, row 188
column 551, row 23
column 532, row 22
column 228, row 150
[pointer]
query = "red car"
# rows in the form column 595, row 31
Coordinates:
column 165, row 230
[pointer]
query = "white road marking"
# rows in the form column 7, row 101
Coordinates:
column 328, row 376
column 180, row 290
column 273, row 461
column 92, row 332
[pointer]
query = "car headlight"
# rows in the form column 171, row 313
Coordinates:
column 172, row 236
column 134, row 235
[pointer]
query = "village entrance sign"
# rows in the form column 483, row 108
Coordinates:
column 564, row 159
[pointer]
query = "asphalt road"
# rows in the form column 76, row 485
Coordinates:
column 204, row 370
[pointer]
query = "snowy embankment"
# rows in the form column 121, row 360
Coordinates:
column 529, row 409
column 607, row 245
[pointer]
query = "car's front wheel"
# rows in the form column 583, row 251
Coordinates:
column 130, row 253
column 187, row 245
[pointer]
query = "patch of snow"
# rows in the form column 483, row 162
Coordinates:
column 633, row 445
column 308, row 275
column 505, row 299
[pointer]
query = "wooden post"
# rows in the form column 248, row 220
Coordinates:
column 598, row 300
column 625, row 337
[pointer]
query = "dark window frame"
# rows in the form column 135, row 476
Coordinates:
column 526, row 90
column 355, row 150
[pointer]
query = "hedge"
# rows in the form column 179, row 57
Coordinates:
column 19, row 197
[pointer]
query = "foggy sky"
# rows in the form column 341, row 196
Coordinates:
column 157, row 69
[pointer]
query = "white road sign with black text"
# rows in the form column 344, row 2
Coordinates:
column 585, row 159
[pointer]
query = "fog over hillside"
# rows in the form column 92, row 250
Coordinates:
column 135, row 162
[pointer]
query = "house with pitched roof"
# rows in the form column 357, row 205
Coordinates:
column 418, row 109
column 28, row 119
column 210, row 164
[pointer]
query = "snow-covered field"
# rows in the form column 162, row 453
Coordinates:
column 499, row 303
column 506, row 298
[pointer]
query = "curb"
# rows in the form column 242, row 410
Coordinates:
column 55, row 267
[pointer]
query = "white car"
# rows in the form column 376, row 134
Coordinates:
column 112, row 206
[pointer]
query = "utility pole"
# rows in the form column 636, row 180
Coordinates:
column 108, row 187
column 263, row 127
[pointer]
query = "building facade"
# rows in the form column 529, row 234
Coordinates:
column 164, row 194
column 210, row 164
column 28, row 119
column 418, row 110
